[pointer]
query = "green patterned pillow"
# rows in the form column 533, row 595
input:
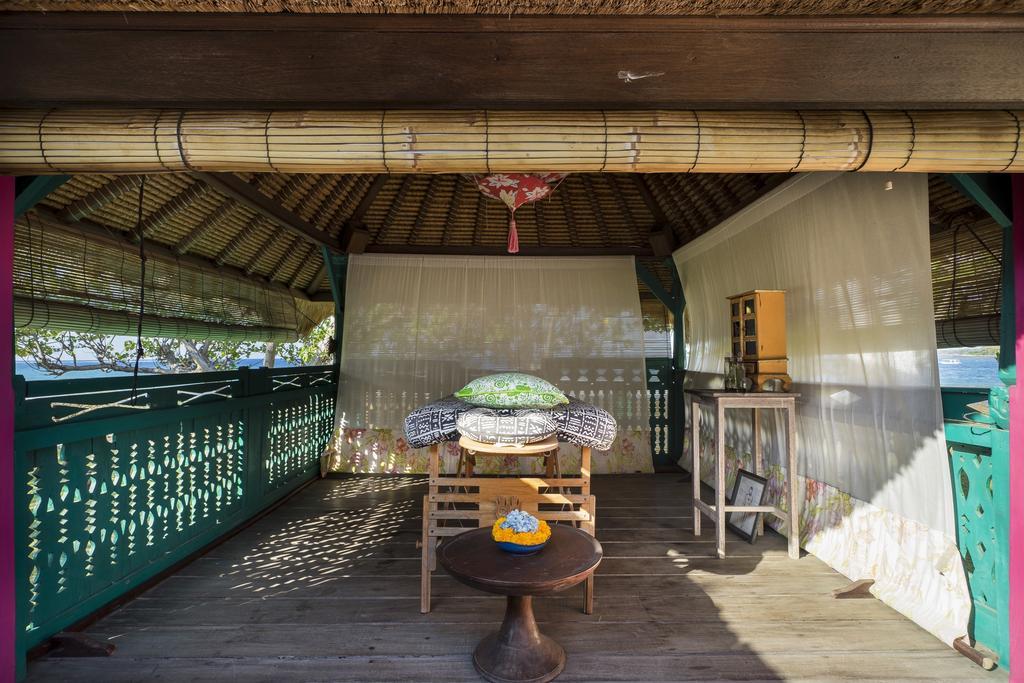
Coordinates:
column 511, row 390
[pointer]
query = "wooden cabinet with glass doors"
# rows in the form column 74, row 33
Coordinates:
column 758, row 322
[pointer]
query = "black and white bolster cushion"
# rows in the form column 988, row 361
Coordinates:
column 576, row 422
column 511, row 426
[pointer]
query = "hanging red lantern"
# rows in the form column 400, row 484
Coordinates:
column 516, row 189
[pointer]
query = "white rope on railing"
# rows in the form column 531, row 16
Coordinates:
column 85, row 408
column 194, row 395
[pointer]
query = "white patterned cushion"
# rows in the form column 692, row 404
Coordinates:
column 506, row 426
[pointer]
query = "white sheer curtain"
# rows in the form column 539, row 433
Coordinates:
column 420, row 327
column 852, row 253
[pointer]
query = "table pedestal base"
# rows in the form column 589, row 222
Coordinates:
column 518, row 651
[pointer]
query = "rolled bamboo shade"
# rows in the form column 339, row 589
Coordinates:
column 146, row 141
column 69, row 280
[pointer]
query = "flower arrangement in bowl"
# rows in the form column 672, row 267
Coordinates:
column 520, row 532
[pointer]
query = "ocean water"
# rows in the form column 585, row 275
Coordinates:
column 31, row 373
column 958, row 370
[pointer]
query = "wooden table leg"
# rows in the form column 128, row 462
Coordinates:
column 758, row 461
column 518, row 651
column 695, row 471
column 720, row 480
column 794, row 500
column 425, row 568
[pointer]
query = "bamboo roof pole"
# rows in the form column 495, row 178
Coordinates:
column 139, row 141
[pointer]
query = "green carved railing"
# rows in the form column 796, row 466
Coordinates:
column 979, row 457
column 113, row 492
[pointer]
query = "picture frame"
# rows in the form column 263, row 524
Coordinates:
column 749, row 489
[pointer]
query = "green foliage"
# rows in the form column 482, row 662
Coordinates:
column 316, row 349
column 58, row 352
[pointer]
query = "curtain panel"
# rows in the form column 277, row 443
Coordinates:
column 418, row 328
column 852, row 253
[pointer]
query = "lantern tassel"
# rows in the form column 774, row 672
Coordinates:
column 513, row 236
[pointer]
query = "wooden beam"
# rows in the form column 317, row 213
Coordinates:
column 314, row 285
column 480, row 250
column 123, row 240
column 990, row 191
column 100, row 197
column 354, row 223
column 242, row 192
column 345, row 61
column 35, row 190
column 654, row 284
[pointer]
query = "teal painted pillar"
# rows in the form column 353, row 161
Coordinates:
column 1016, row 539
column 337, row 272
column 11, row 663
column 1008, row 316
column 677, row 409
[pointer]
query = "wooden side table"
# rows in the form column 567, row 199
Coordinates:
column 720, row 401
column 518, row 651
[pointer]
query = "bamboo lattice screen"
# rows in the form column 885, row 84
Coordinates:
column 75, row 141
column 69, row 280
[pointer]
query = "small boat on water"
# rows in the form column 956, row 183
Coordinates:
column 949, row 361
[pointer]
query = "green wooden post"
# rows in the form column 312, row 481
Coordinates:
column 32, row 190
column 337, row 272
column 991, row 192
column 677, row 427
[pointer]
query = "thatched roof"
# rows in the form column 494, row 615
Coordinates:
column 217, row 261
column 545, row 7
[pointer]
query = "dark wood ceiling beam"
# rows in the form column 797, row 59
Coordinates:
column 602, row 224
column 627, row 212
column 394, row 208
column 478, row 250
column 245, row 194
column 355, row 221
column 570, row 217
column 452, row 201
column 341, row 61
column 421, row 211
column 318, row 279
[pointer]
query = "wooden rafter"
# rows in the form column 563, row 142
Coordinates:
column 232, row 186
column 458, row 188
column 421, row 210
column 232, row 247
column 393, row 208
column 205, row 226
column 98, row 198
column 570, row 218
column 290, row 195
column 175, row 205
column 602, row 225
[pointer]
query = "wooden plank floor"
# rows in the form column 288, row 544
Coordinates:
column 326, row 589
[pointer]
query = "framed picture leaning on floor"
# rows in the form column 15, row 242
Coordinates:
column 749, row 489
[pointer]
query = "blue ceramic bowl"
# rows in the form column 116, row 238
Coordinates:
column 517, row 549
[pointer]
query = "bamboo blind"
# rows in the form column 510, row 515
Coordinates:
column 144, row 141
column 68, row 280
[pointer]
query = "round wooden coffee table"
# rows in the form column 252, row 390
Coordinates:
column 518, row 651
